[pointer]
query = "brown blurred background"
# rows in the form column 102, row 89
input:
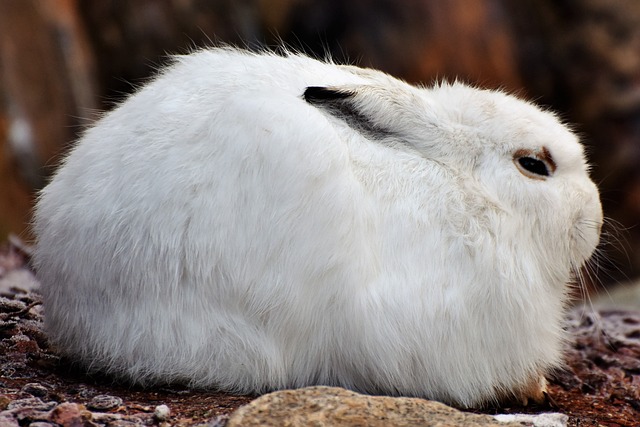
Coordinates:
column 64, row 61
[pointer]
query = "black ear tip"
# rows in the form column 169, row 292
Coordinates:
column 323, row 93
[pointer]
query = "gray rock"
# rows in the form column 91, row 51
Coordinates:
column 536, row 420
column 103, row 418
column 219, row 421
column 26, row 416
column 11, row 305
column 8, row 420
column 104, row 402
column 161, row 413
column 33, row 403
column 336, row 407
column 35, row 389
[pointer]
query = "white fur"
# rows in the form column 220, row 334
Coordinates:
column 217, row 229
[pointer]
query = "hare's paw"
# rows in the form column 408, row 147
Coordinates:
column 534, row 392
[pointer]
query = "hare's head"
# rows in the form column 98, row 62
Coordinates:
column 523, row 172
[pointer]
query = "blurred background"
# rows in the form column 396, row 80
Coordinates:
column 64, row 61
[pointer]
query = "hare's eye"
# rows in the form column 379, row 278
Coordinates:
column 535, row 166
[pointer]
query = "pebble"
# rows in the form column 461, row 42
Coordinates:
column 104, row 402
column 219, row 421
column 35, row 389
column 161, row 413
column 106, row 418
column 26, row 416
column 536, row 420
column 31, row 403
column 71, row 414
column 7, row 420
column 11, row 305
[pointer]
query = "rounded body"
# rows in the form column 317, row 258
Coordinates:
column 249, row 222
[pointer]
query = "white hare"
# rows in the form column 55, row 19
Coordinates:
column 249, row 222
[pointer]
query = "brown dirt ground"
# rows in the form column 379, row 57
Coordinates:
column 601, row 386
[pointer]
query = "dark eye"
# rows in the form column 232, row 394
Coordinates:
column 535, row 166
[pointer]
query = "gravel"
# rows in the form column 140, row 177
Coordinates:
column 37, row 388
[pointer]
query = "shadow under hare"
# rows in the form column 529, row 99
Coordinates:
column 250, row 222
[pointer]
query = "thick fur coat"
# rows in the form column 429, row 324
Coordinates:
column 250, row 222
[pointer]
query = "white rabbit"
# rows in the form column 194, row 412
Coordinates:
column 249, row 222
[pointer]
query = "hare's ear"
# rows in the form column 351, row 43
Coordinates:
column 350, row 104
column 321, row 94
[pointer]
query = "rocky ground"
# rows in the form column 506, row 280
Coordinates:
column 600, row 387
